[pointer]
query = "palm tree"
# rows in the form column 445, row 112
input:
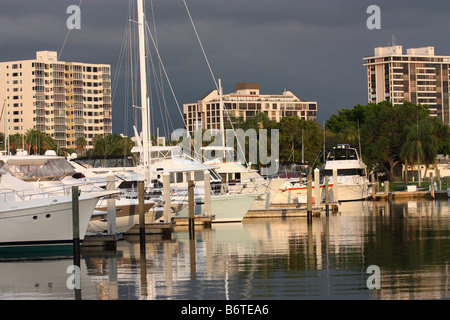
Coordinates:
column 411, row 150
column 81, row 144
column 112, row 144
column 427, row 132
column 420, row 145
column 15, row 142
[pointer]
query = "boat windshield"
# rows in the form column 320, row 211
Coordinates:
column 49, row 170
column 105, row 162
column 342, row 154
column 166, row 153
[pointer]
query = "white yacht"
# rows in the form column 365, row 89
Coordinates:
column 54, row 175
column 352, row 182
column 224, row 208
column 30, row 216
column 238, row 179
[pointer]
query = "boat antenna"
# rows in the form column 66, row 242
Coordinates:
column 324, row 153
column 359, row 139
column 303, row 148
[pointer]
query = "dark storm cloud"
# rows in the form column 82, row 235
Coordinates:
column 314, row 48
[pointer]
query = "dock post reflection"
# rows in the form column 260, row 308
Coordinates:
column 192, row 256
column 113, row 288
column 309, row 199
column 143, row 265
column 141, row 214
column 191, row 209
column 167, row 247
column 76, row 233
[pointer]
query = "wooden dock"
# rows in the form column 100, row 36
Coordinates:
column 289, row 211
column 152, row 228
column 104, row 241
column 204, row 221
column 381, row 196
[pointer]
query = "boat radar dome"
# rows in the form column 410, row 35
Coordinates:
column 50, row 153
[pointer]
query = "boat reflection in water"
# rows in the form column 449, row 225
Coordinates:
column 276, row 259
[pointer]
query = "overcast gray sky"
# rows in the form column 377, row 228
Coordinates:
column 313, row 48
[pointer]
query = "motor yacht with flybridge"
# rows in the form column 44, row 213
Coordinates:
column 352, row 182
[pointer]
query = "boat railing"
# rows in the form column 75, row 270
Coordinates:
column 22, row 195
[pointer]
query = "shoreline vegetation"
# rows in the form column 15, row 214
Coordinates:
column 389, row 136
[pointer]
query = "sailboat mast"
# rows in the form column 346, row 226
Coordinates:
column 303, row 150
column 143, row 81
column 222, row 128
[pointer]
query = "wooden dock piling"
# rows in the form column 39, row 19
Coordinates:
column 327, row 208
column 386, row 189
column 76, row 225
column 166, row 197
column 111, row 205
column 207, row 187
column 317, row 188
column 335, row 186
column 191, row 205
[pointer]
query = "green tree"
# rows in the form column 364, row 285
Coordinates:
column 81, row 144
column 293, row 131
column 37, row 142
column 15, row 142
column 113, row 144
column 383, row 131
column 411, row 151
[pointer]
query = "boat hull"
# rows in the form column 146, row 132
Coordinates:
column 44, row 221
column 226, row 208
column 127, row 215
column 346, row 192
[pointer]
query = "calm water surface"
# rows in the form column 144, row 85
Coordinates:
column 264, row 259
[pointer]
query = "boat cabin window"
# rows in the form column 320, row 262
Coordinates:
column 343, row 154
column 38, row 169
column 346, row 172
column 102, row 162
column 199, row 176
column 179, row 177
column 214, row 175
column 166, row 154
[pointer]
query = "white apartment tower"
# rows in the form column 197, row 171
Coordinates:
column 66, row 100
column 246, row 102
column 419, row 76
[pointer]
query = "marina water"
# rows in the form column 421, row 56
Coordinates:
column 409, row 241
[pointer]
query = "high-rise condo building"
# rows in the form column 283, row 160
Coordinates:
column 246, row 102
column 66, row 100
column 419, row 76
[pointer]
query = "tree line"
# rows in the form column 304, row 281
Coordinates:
column 392, row 135
column 386, row 135
column 36, row 142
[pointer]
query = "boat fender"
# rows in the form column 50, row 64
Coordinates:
column 78, row 175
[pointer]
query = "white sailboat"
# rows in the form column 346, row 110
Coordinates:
column 180, row 168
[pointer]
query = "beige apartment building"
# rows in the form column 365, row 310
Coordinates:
column 246, row 102
column 66, row 100
column 419, row 76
